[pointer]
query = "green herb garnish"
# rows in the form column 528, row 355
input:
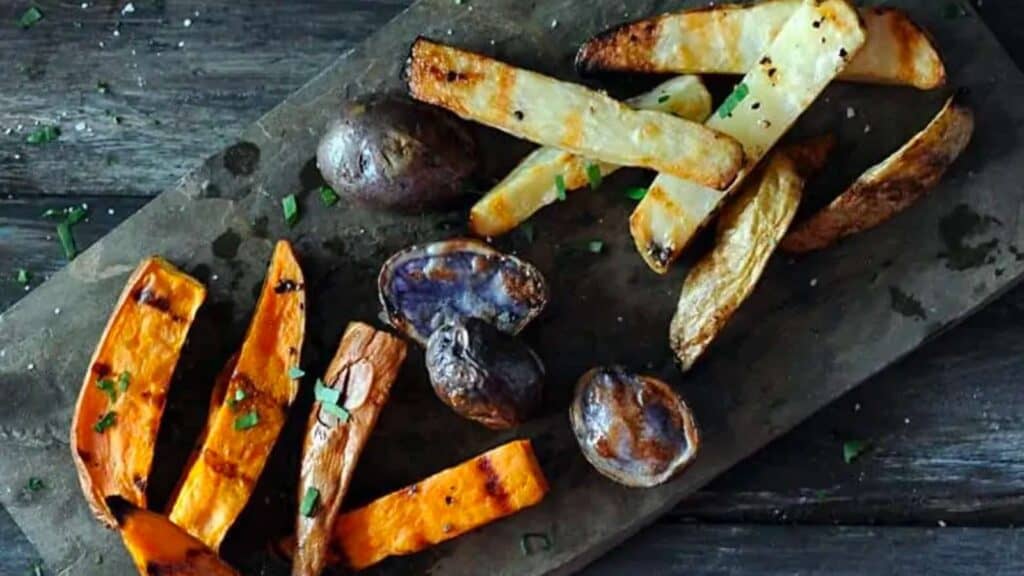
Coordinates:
column 594, row 176
column 560, row 187
column 533, row 541
column 291, row 209
column 295, row 373
column 336, row 411
column 43, row 135
column 30, row 17
column 853, row 449
column 75, row 214
column 328, row 196
column 67, row 241
column 109, row 388
column 238, row 397
column 106, row 421
column 636, row 193
column 52, row 213
column 738, row 95
column 247, row 420
column 595, row 246
column 663, row 98
column 23, row 276
column 35, row 484
column 310, row 500
column 324, row 394
column 123, row 380
column 102, row 87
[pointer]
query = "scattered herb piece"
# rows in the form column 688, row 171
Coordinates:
column 35, row 484
column 738, row 95
column 43, row 135
column 75, row 214
column 336, row 411
column 102, row 87
column 636, row 193
column 30, row 17
column 527, row 230
column 23, row 276
column 328, row 196
column 107, row 387
column 248, row 420
column 52, row 213
column 295, row 373
column 106, row 421
column 324, row 394
column 123, row 381
column 533, row 541
column 594, row 175
column 595, row 246
column 67, row 241
column 853, row 449
column 291, row 209
column 310, row 500
column 238, row 397
column 663, row 98
column 560, row 187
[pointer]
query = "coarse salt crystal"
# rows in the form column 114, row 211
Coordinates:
column 128, row 8
column 850, row 112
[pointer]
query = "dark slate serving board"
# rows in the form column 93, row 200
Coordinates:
column 815, row 328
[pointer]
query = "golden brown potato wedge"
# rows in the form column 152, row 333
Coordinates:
column 749, row 230
column 813, row 46
column 245, row 426
column 729, row 39
column 359, row 381
column 160, row 548
column 568, row 116
column 892, row 186
column 531, row 185
column 117, row 417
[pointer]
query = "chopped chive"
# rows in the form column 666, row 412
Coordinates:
column 52, row 213
column 328, row 196
column 533, row 541
column 636, row 193
column 108, row 388
column 295, row 373
column 663, row 98
column 560, row 187
column 123, row 381
column 43, row 135
column 595, row 246
column 30, row 17
column 853, row 449
column 106, row 421
column 67, row 241
column 35, row 484
column 247, row 420
column 336, row 411
column 238, row 397
column 310, row 500
column 738, row 95
column 23, row 276
column 324, row 394
column 594, row 175
column 291, row 209
column 75, row 214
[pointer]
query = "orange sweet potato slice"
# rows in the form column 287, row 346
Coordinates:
column 361, row 374
column 160, row 548
column 243, row 429
column 117, row 417
column 448, row 504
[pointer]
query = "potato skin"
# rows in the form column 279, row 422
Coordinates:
column 391, row 153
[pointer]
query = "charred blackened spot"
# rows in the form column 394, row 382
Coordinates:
column 766, row 61
column 843, row 53
column 816, row 23
column 293, row 351
column 85, row 456
column 242, row 158
column 449, row 500
column 755, row 106
column 139, row 482
column 519, row 114
column 221, row 466
column 659, row 254
column 151, row 298
column 772, row 71
column 101, row 370
column 492, row 482
column 285, row 285
column 158, row 400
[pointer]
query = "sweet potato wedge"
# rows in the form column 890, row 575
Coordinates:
column 244, row 428
column 531, row 185
column 160, row 548
column 450, row 503
column 749, row 230
column 360, row 375
column 813, row 46
column 114, row 430
column 897, row 50
column 891, row 186
column 568, row 116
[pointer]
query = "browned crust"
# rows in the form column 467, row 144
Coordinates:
column 626, row 47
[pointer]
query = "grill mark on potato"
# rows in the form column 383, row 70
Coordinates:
column 492, row 483
column 624, row 47
column 224, row 467
column 101, row 370
column 501, row 101
column 573, row 131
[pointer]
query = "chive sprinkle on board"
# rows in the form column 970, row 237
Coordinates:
column 310, row 500
column 853, row 449
column 636, row 193
column 594, row 175
column 328, row 196
column 595, row 246
column 290, row 207
column 23, row 276
column 35, row 484
column 30, row 17
column 43, row 135
column 560, row 187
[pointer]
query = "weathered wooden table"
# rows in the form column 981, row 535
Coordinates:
column 141, row 96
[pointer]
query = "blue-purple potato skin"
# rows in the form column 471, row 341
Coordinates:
column 391, row 153
column 484, row 374
column 633, row 429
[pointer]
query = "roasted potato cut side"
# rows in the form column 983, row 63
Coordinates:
column 117, row 417
column 749, row 230
column 532, row 184
column 493, row 485
column 812, row 47
column 160, row 548
column 358, row 381
column 243, row 429
column 568, row 116
column 897, row 50
column 892, row 186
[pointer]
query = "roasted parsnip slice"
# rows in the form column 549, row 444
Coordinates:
column 117, row 417
column 493, row 485
column 811, row 49
column 891, row 186
column 358, row 381
column 160, row 548
column 749, row 230
column 729, row 39
column 568, row 116
column 245, row 426
column 532, row 184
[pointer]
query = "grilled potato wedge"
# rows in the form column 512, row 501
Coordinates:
column 730, row 39
column 362, row 371
column 891, row 186
column 749, row 230
column 119, row 408
column 531, row 185
column 568, row 116
column 245, row 426
column 813, row 46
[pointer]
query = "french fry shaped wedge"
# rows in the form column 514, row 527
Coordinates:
column 568, row 116
column 749, row 229
column 358, row 381
column 813, row 46
column 158, row 547
column 730, row 38
column 493, row 485
column 532, row 184
column 121, row 402
column 243, row 429
column 891, row 186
